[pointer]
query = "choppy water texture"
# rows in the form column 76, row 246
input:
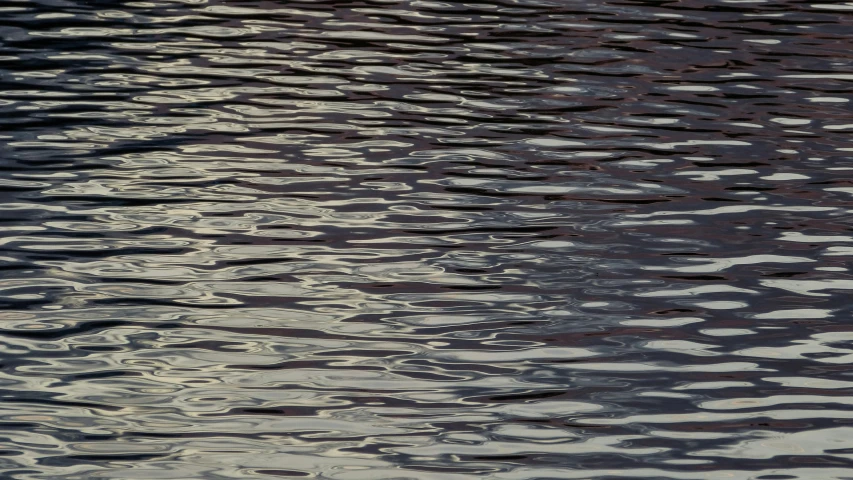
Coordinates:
column 370, row 240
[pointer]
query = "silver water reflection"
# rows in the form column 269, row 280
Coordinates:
column 426, row 240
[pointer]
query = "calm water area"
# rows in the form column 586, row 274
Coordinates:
column 426, row 240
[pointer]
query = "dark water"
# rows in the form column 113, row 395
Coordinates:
column 361, row 240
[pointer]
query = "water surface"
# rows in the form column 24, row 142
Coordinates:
column 422, row 240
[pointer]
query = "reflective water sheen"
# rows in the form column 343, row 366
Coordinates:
column 405, row 239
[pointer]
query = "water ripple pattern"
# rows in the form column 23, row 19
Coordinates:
column 426, row 240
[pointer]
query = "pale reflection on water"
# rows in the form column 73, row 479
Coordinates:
column 522, row 240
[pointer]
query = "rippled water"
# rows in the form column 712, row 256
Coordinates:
column 404, row 239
